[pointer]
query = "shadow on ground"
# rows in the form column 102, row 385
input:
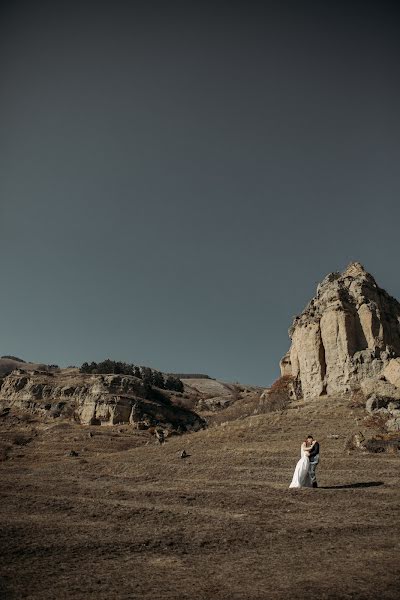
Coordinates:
column 351, row 486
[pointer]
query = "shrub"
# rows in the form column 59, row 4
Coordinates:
column 384, row 443
column 278, row 396
column 376, row 421
column 4, row 450
column 174, row 383
column 153, row 393
column 186, row 403
column 19, row 439
column 357, row 399
column 107, row 367
column 151, row 377
column 355, row 442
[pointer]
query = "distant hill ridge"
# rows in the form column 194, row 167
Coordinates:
column 10, row 363
column 14, row 358
column 191, row 376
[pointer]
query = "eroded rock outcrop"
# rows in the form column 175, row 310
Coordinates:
column 95, row 399
column 349, row 332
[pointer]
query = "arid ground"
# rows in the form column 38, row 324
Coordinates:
column 126, row 518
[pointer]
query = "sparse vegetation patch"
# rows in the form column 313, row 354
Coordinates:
column 148, row 375
column 279, row 396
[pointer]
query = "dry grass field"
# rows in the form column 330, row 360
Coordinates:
column 127, row 519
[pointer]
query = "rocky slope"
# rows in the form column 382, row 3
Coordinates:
column 210, row 395
column 348, row 336
column 95, row 399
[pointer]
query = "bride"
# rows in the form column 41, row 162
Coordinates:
column 301, row 475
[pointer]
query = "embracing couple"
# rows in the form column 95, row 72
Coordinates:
column 304, row 473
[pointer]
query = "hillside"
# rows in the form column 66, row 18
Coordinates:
column 211, row 395
column 109, row 398
column 125, row 517
column 95, row 399
column 7, row 365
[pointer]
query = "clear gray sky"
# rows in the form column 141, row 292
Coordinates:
column 175, row 178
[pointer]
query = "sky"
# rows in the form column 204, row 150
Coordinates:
column 176, row 178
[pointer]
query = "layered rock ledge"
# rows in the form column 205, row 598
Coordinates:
column 95, row 399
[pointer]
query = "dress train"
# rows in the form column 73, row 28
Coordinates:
column 301, row 475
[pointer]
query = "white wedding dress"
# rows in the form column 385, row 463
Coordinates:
column 301, row 475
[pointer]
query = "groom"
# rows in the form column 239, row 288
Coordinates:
column 314, row 459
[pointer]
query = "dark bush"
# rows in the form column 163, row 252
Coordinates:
column 153, row 393
column 357, row 399
column 185, row 403
column 190, row 376
column 151, row 377
column 386, row 442
column 174, row 384
column 376, row 421
column 279, row 395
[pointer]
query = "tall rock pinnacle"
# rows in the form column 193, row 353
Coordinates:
column 348, row 332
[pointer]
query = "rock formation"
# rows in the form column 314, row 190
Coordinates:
column 95, row 399
column 348, row 333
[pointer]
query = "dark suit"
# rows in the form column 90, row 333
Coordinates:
column 314, row 460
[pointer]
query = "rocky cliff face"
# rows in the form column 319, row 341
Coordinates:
column 348, row 333
column 95, row 399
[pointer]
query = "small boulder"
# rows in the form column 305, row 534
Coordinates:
column 392, row 372
column 355, row 442
column 393, row 424
column 380, row 387
column 160, row 436
column 393, row 406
